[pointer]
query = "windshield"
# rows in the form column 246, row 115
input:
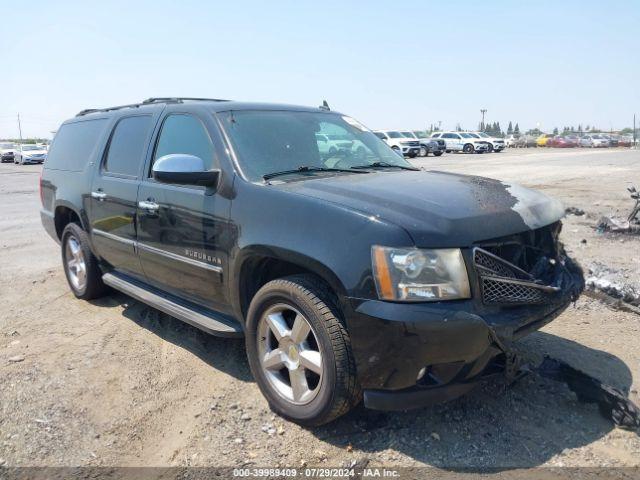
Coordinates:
column 408, row 135
column 29, row 147
column 394, row 134
column 466, row 135
column 474, row 135
column 597, row 137
column 7, row 145
column 268, row 141
column 482, row 134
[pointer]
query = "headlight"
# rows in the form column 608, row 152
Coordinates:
column 417, row 275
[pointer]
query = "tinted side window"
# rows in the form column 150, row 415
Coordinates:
column 183, row 133
column 73, row 144
column 127, row 145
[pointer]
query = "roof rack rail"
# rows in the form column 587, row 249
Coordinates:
column 181, row 99
column 108, row 109
column 149, row 101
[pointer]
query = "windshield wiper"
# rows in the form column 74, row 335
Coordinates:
column 306, row 168
column 385, row 165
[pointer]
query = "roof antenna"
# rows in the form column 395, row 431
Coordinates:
column 324, row 106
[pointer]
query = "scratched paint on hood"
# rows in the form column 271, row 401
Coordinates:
column 530, row 208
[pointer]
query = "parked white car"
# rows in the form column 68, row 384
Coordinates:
column 510, row 141
column 409, row 147
column 495, row 144
column 28, row 154
column 462, row 142
column 7, row 151
column 594, row 141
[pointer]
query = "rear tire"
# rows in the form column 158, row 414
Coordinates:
column 80, row 265
column 438, row 153
column 468, row 148
column 329, row 394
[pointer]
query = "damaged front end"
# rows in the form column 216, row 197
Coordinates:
column 519, row 283
column 528, row 268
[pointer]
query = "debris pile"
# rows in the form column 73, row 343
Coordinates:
column 619, row 225
column 606, row 280
column 612, row 403
column 578, row 212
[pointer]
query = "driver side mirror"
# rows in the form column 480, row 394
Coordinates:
column 184, row 169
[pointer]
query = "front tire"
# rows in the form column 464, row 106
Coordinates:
column 424, row 152
column 438, row 153
column 80, row 265
column 300, row 352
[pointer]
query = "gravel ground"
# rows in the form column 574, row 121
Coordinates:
column 112, row 382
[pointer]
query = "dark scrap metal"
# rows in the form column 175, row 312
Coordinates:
column 612, row 403
column 629, row 225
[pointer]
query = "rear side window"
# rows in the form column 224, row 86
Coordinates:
column 73, row 145
column 127, row 145
column 182, row 133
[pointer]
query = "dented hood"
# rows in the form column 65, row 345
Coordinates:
column 437, row 209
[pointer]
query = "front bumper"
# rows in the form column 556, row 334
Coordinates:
column 415, row 354
column 481, row 147
column 410, row 150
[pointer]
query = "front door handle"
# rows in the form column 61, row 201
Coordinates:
column 149, row 206
column 100, row 196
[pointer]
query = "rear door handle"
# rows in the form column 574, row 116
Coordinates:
column 98, row 195
column 149, row 206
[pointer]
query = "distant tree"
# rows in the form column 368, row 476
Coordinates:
column 626, row 131
column 555, row 131
column 510, row 128
column 587, row 128
column 516, row 129
column 458, row 127
column 580, row 128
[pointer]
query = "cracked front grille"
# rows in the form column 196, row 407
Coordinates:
column 496, row 266
column 502, row 282
column 495, row 291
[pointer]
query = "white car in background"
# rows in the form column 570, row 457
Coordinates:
column 462, row 142
column 7, row 151
column 594, row 141
column 495, row 144
column 29, row 154
column 410, row 147
column 511, row 141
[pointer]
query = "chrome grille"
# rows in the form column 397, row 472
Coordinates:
column 498, row 291
column 502, row 282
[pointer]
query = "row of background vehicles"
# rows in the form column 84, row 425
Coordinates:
column 416, row 143
column 23, row 154
column 588, row 140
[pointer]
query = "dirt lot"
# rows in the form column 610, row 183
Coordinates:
column 113, row 382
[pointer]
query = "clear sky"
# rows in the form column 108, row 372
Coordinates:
column 393, row 64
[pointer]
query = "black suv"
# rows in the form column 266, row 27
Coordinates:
column 350, row 272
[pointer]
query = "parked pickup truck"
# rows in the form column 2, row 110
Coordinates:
column 353, row 277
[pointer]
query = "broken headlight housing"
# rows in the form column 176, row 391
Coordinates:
column 419, row 275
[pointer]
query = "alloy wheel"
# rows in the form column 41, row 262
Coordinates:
column 289, row 354
column 76, row 265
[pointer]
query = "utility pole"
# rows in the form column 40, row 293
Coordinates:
column 20, row 129
column 483, row 111
column 634, row 129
